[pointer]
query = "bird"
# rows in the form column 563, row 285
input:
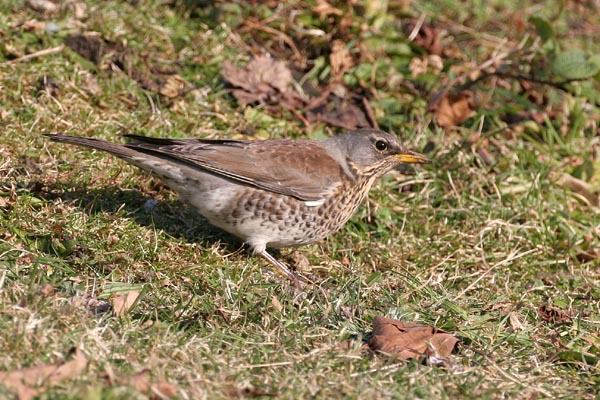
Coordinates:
column 270, row 193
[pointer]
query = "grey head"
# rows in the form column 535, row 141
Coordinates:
column 370, row 152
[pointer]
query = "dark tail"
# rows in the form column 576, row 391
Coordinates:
column 117, row 149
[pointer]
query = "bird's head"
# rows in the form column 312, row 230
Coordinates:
column 372, row 152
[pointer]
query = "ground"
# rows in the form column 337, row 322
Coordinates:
column 496, row 242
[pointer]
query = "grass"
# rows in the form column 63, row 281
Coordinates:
column 469, row 246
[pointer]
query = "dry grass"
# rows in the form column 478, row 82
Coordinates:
column 472, row 248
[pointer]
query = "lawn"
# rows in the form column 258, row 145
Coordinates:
column 111, row 288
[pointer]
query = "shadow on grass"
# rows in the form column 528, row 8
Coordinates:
column 172, row 216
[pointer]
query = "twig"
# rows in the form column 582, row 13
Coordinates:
column 41, row 53
column 557, row 84
column 370, row 113
column 285, row 38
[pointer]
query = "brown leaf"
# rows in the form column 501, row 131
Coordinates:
column 267, row 82
column 95, row 49
column 427, row 37
column 33, row 25
column 588, row 255
column 248, row 392
column 323, row 9
column 409, row 340
column 30, row 382
column 336, row 107
column 43, row 6
column 581, row 188
column 555, row 315
column 173, row 86
column 454, row 108
column 141, row 382
column 261, row 78
column 93, row 305
column 340, row 59
column 123, row 302
column 47, row 290
column 514, row 321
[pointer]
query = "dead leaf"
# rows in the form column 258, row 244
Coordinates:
column 515, row 323
column 409, row 340
column 323, row 9
column 141, row 382
column 581, row 188
column 588, row 255
column 340, row 59
column 276, row 304
column 32, row 381
column 248, row 392
column 79, row 9
column 96, row 49
column 555, row 315
column 47, row 290
column 261, row 77
column 268, row 82
column 337, row 107
column 123, row 302
column 453, row 108
column 173, row 86
column 43, row 6
column 427, row 37
column 93, row 305
column 429, row 64
column 417, row 67
column 33, row 25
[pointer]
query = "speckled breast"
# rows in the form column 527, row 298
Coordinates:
column 286, row 221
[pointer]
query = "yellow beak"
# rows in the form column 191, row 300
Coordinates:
column 412, row 158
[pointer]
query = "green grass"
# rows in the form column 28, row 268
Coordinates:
column 471, row 247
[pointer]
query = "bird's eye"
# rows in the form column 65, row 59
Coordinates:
column 381, row 145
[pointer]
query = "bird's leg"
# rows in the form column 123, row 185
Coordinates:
column 283, row 269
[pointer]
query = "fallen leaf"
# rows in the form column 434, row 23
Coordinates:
column 409, row 340
column 453, row 108
column 581, row 188
column 323, row 9
column 33, row 25
column 123, row 302
column 32, row 381
column 268, row 82
column 173, row 86
column 336, row 107
column 43, row 6
column 95, row 49
column 276, row 304
column 141, row 382
column 588, row 255
column 79, row 9
column 515, row 323
column 427, row 37
column 262, row 76
column 47, row 290
column 555, row 315
column 248, row 392
column 340, row 59
column 94, row 305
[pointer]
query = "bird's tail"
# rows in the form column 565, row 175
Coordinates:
column 146, row 158
column 118, row 150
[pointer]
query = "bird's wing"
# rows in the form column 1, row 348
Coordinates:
column 302, row 169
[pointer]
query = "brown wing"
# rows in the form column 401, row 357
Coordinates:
column 301, row 169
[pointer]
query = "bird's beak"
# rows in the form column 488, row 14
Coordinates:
column 410, row 157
